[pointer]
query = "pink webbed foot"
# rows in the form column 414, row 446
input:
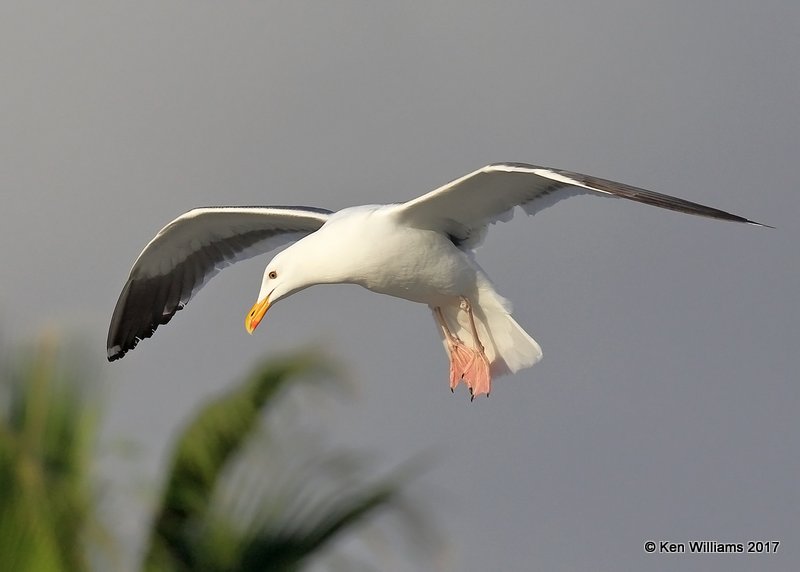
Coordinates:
column 471, row 366
column 478, row 377
column 460, row 359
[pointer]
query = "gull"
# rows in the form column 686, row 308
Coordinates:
column 422, row 250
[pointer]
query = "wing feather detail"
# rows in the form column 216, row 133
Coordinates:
column 191, row 250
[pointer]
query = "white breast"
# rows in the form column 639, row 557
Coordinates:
column 389, row 258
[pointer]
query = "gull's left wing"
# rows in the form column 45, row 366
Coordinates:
column 464, row 207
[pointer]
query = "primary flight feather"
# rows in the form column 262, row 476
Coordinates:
column 420, row 250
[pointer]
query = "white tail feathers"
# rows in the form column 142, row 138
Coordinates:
column 508, row 347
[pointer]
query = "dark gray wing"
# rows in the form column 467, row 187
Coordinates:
column 464, row 207
column 188, row 252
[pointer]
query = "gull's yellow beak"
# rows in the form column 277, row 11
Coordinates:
column 256, row 313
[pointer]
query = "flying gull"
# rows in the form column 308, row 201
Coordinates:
column 421, row 250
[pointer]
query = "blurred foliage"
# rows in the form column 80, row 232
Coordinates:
column 233, row 500
column 48, row 423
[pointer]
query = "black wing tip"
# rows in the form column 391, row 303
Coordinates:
column 116, row 353
column 653, row 198
column 736, row 218
column 754, row 223
column 119, row 349
column 116, row 350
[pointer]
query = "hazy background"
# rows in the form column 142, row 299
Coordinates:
column 666, row 406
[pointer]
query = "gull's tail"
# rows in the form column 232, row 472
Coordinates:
column 508, row 347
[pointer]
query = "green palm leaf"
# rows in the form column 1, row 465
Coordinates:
column 48, row 422
column 234, row 502
column 239, row 496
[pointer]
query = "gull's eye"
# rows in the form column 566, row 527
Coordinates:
column 273, row 274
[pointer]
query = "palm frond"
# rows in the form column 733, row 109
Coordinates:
column 216, row 434
column 48, row 422
column 287, row 549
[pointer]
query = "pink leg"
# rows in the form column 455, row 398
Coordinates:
column 468, row 364
column 478, row 375
column 456, row 350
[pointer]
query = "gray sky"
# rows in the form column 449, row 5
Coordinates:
column 666, row 404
